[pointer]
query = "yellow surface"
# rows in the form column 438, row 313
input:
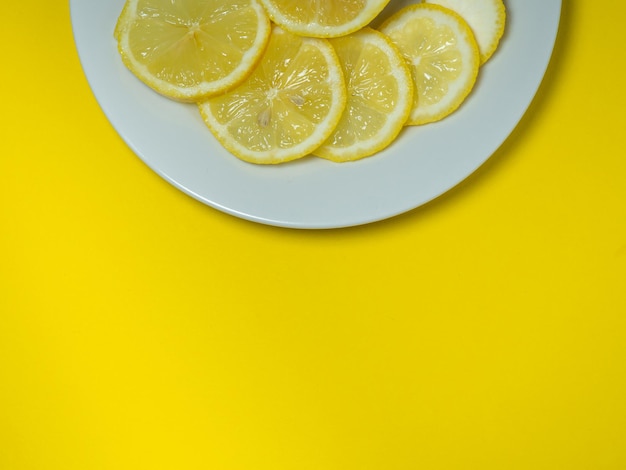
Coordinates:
column 140, row 329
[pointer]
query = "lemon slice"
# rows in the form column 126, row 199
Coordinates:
column 287, row 108
column 190, row 49
column 380, row 96
column 323, row 18
column 486, row 18
column 442, row 54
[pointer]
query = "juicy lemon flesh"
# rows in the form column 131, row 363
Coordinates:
column 486, row 18
column 372, row 96
column 380, row 94
column 321, row 12
column 286, row 108
column 442, row 55
column 439, row 61
column 187, row 43
column 323, row 18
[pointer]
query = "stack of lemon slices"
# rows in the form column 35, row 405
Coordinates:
column 276, row 80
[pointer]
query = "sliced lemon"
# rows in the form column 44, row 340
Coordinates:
column 380, row 96
column 191, row 49
column 323, row 18
column 442, row 54
column 287, row 108
column 486, row 18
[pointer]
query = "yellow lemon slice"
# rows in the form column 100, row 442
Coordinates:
column 190, row 49
column 380, row 96
column 323, row 18
column 486, row 18
column 442, row 54
column 287, row 107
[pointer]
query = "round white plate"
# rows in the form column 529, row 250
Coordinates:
column 423, row 163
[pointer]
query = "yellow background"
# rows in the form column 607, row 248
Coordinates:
column 141, row 329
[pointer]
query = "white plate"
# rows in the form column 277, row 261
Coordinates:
column 423, row 163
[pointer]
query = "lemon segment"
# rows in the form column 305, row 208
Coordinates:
column 323, row 18
column 486, row 18
column 190, row 49
column 442, row 54
column 380, row 96
column 286, row 108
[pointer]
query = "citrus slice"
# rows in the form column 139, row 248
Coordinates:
column 287, row 107
column 190, row 49
column 380, row 96
column 442, row 54
column 485, row 17
column 323, row 18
